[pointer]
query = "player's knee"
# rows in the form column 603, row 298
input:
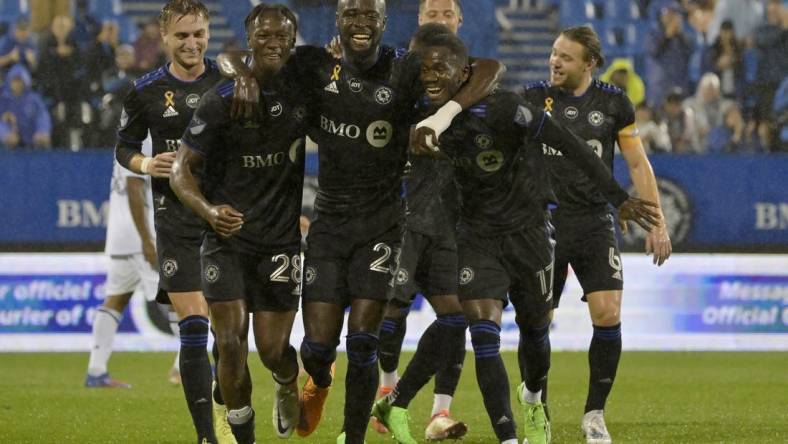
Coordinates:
column 609, row 316
column 316, row 355
column 194, row 331
column 533, row 321
column 272, row 355
column 362, row 348
column 485, row 338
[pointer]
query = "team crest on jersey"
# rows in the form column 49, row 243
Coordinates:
column 355, row 85
column 212, row 273
column 310, row 274
column 596, row 118
column 571, row 113
column 379, row 133
column 524, row 116
column 490, row 161
column 466, row 275
column 383, row 95
column 483, row 141
column 169, row 102
column 197, row 126
column 402, row 276
column 169, row 267
column 193, row 100
column 275, row 110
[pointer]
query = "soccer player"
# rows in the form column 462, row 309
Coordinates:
column 602, row 115
column 428, row 264
column 251, row 261
column 162, row 103
column 505, row 245
column 132, row 264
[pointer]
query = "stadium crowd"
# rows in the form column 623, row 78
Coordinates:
column 714, row 78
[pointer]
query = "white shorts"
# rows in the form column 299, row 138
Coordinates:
column 127, row 273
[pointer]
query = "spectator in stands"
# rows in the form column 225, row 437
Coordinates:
column 18, row 46
column 654, row 135
column 100, row 57
column 61, row 76
column 771, row 45
column 781, row 117
column 116, row 84
column 727, row 61
column 622, row 74
column 668, row 52
column 24, row 119
column 746, row 15
column 147, row 48
column 86, row 27
column 732, row 135
column 707, row 106
column 681, row 126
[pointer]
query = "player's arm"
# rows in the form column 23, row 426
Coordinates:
column 246, row 94
column 224, row 219
column 657, row 240
column 485, row 76
column 133, row 130
column 135, row 191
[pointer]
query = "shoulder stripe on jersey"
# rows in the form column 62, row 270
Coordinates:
column 226, row 89
column 608, row 87
column 478, row 110
column 400, row 52
column 149, row 78
column 544, row 84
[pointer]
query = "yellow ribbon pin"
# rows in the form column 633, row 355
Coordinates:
column 548, row 104
column 335, row 75
column 169, row 97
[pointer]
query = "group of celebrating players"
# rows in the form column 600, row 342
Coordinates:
column 431, row 181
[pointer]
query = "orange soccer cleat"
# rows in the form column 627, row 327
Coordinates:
column 313, row 399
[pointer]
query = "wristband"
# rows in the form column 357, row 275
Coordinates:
column 145, row 165
column 441, row 120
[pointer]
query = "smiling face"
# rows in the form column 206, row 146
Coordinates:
column 361, row 24
column 568, row 63
column 443, row 12
column 185, row 39
column 442, row 74
column 271, row 37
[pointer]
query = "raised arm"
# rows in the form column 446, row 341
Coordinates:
column 246, row 94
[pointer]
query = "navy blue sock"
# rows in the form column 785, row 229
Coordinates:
column 492, row 378
column 392, row 333
column 196, row 375
column 361, row 382
column 448, row 376
column 603, row 356
column 534, row 357
column 317, row 359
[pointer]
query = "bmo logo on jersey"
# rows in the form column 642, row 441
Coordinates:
column 593, row 143
column 266, row 161
column 172, row 145
column 342, row 129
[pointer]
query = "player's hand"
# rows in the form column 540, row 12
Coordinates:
column 161, row 165
column 423, row 141
column 246, row 97
column 658, row 244
column 149, row 253
column 225, row 220
column 334, row 48
column 639, row 211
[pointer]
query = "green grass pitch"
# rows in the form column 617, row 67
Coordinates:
column 657, row 398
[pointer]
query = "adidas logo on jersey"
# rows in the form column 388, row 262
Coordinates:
column 617, row 275
column 170, row 112
column 332, row 88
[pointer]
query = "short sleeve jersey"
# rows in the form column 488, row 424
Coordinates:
column 360, row 125
column 502, row 185
column 163, row 105
column 255, row 165
column 597, row 117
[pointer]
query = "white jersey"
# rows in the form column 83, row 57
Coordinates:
column 122, row 236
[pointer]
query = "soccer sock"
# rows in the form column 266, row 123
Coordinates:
column 534, row 357
column 441, row 337
column 196, row 374
column 217, row 391
column 448, row 376
column 492, row 378
column 242, row 424
column 392, row 333
column 287, row 370
column 440, row 403
column 105, row 325
column 317, row 359
column 361, row 382
column 603, row 356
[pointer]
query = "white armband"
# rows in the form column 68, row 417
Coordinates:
column 441, row 120
column 145, row 165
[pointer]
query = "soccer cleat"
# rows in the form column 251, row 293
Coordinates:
column 442, row 426
column 313, row 399
column 287, row 411
column 104, row 381
column 594, row 428
column 395, row 419
column 174, row 376
column 376, row 424
column 537, row 428
column 341, row 438
column 224, row 434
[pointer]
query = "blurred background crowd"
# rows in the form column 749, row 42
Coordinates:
column 706, row 76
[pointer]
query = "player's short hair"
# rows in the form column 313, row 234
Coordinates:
column 457, row 3
column 182, row 8
column 589, row 39
column 262, row 8
column 434, row 34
